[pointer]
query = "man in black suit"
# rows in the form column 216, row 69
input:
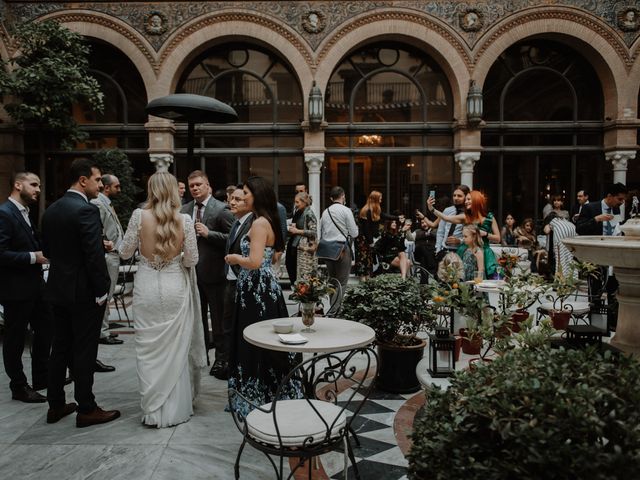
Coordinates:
column 583, row 198
column 21, row 289
column 212, row 219
column 244, row 218
column 601, row 218
column 77, row 287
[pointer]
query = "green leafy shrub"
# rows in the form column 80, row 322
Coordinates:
column 395, row 308
column 533, row 413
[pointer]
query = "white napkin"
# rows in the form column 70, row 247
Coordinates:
column 292, row 338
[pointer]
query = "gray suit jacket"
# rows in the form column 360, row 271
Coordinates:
column 218, row 219
column 110, row 228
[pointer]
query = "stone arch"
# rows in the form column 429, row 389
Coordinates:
column 117, row 34
column 603, row 49
column 202, row 33
column 421, row 31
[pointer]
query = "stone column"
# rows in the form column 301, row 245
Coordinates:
column 314, row 163
column 161, row 132
column 619, row 160
column 466, row 161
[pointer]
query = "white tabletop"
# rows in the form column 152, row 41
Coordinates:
column 331, row 335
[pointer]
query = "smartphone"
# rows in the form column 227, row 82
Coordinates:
column 432, row 193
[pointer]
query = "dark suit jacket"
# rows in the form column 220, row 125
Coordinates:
column 19, row 280
column 233, row 246
column 586, row 224
column 218, row 219
column 72, row 241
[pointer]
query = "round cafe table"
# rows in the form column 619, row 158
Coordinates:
column 331, row 335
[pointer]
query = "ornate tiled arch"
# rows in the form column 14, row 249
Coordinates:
column 210, row 19
column 387, row 15
column 110, row 23
column 573, row 15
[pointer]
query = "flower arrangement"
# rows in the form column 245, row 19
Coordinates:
column 311, row 289
column 508, row 261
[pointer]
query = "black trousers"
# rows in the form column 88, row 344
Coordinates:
column 291, row 262
column 212, row 300
column 228, row 318
column 76, row 333
column 18, row 316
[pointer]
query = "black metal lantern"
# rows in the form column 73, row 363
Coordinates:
column 581, row 336
column 442, row 362
column 474, row 104
column 316, row 107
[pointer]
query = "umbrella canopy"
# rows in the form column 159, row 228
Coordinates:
column 186, row 107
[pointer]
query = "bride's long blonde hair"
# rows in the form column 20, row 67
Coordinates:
column 164, row 202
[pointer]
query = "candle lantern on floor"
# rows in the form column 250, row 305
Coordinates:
column 581, row 336
column 442, row 362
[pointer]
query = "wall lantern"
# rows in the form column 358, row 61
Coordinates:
column 316, row 107
column 474, row 104
column 442, row 362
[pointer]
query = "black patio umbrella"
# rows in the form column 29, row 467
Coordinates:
column 186, row 107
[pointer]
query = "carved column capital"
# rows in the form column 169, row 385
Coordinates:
column 467, row 160
column 314, row 162
column 162, row 160
column 620, row 158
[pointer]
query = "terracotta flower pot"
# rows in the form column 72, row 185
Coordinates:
column 456, row 349
column 470, row 346
column 517, row 318
column 474, row 362
column 560, row 319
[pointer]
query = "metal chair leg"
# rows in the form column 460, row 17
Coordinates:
column 236, row 466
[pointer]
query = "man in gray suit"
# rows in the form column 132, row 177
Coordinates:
column 112, row 234
column 213, row 220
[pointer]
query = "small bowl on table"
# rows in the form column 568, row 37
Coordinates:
column 283, row 326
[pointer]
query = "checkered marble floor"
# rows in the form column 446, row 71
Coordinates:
column 378, row 455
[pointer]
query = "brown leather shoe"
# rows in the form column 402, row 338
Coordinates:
column 28, row 395
column 55, row 414
column 96, row 417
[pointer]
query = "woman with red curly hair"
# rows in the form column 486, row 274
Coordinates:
column 476, row 213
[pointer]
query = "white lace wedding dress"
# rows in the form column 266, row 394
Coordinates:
column 169, row 340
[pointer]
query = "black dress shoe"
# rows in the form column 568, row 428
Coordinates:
column 113, row 335
column 56, row 414
column 220, row 370
column 28, row 395
column 39, row 386
column 110, row 341
column 101, row 367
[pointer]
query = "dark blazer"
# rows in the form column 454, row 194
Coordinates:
column 72, row 241
column 19, row 280
column 218, row 219
column 586, row 224
column 233, row 245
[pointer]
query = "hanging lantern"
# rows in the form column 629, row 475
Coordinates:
column 316, row 107
column 474, row 104
column 442, row 362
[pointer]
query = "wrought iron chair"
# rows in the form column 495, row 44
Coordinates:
column 124, row 276
column 332, row 390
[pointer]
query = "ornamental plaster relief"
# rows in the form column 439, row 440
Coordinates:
column 314, row 21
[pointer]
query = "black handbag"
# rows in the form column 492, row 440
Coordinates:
column 330, row 249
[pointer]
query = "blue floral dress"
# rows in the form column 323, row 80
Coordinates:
column 256, row 372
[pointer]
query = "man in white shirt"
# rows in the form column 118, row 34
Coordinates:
column 449, row 235
column 337, row 224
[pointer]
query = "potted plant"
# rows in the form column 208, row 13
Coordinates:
column 532, row 413
column 397, row 310
column 518, row 294
column 564, row 285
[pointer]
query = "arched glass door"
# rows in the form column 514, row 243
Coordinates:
column 543, row 107
column 267, row 140
column 389, row 109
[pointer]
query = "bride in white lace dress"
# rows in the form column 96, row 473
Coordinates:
column 170, row 349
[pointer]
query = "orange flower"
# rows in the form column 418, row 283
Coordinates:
column 454, row 286
column 438, row 299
